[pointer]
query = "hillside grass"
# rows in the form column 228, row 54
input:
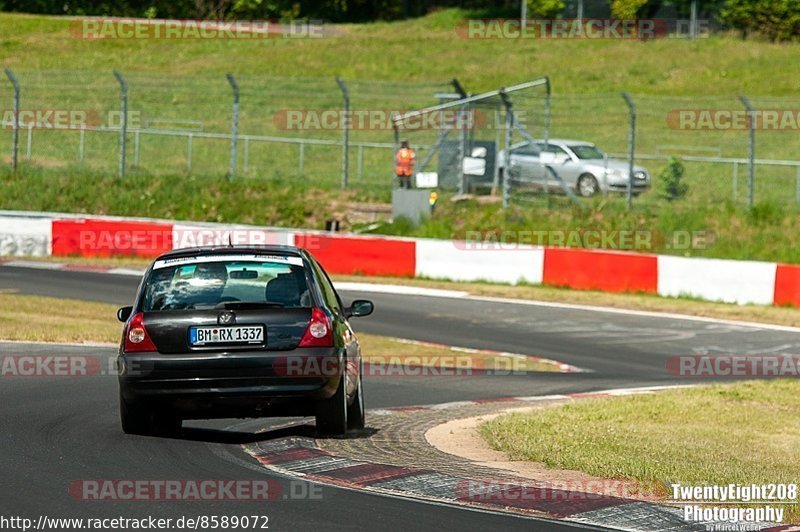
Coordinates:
column 185, row 80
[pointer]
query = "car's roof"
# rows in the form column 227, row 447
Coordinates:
column 568, row 142
column 229, row 250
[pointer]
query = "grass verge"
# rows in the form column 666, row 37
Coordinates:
column 743, row 433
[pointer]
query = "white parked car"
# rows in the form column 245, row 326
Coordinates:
column 581, row 165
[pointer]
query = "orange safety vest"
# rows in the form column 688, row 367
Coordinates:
column 405, row 161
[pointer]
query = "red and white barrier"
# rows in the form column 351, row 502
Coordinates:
column 734, row 281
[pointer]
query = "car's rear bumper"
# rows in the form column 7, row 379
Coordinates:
column 235, row 383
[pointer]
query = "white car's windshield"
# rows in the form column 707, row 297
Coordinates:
column 587, row 152
column 207, row 282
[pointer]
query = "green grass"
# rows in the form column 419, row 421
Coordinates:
column 730, row 230
column 172, row 80
column 742, row 433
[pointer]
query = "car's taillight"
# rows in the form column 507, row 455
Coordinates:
column 318, row 333
column 136, row 337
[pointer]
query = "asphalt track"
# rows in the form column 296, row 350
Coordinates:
column 54, row 431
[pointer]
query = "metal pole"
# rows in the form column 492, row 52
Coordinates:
column 15, row 140
column 396, row 133
column 523, row 11
column 546, row 130
column 346, row 133
column 631, row 145
column 580, row 11
column 360, row 160
column 29, row 151
column 496, row 172
column 234, row 124
column 462, row 153
column 123, row 130
column 693, row 20
column 751, row 178
column 797, row 186
column 189, row 154
column 507, row 152
column 302, row 157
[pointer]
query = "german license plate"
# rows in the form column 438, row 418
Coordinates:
column 238, row 334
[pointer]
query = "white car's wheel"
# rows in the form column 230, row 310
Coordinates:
column 587, row 186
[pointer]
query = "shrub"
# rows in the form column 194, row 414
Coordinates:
column 670, row 180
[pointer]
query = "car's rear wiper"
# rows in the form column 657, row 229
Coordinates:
column 245, row 305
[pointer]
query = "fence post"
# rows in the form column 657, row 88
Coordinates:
column 234, row 124
column 396, row 134
column 751, row 123
column 631, row 144
column 346, row 129
column 15, row 141
column 189, row 154
column 507, row 152
column 301, row 157
column 123, row 130
column 797, row 185
column 360, row 160
column 29, row 150
column 136, row 148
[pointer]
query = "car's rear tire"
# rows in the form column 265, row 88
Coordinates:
column 331, row 414
column 134, row 419
column 356, row 414
column 587, row 186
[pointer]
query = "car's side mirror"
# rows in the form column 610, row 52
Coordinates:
column 123, row 313
column 360, row 307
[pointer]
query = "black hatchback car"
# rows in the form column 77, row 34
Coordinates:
column 239, row 332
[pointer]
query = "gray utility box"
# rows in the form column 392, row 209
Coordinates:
column 413, row 204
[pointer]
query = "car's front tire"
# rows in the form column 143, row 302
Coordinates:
column 587, row 186
column 331, row 413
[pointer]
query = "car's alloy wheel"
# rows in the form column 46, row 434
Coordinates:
column 587, row 185
column 331, row 414
column 355, row 412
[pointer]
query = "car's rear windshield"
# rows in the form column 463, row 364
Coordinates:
column 220, row 281
column 587, row 152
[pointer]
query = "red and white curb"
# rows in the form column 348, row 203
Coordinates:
column 300, row 457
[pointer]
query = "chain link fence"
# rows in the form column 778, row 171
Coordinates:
column 328, row 132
